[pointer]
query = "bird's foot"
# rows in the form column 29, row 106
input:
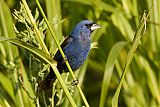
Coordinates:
column 75, row 82
column 65, row 59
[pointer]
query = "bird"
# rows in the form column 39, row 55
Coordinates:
column 76, row 48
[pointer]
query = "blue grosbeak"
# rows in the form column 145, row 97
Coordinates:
column 76, row 48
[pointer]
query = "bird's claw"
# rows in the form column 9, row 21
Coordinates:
column 75, row 82
column 65, row 59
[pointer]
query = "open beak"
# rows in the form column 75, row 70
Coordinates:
column 95, row 26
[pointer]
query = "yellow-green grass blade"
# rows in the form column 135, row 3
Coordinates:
column 109, row 70
column 129, row 58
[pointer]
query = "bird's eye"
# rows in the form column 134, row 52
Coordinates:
column 89, row 25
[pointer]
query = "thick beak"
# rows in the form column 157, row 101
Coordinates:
column 95, row 26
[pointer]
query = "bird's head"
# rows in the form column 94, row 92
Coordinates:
column 84, row 27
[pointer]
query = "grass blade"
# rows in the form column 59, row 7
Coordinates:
column 129, row 58
column 109, row 69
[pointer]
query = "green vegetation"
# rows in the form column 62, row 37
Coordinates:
column 123, row 71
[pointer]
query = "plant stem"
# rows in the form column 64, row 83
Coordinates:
column 11, row 60
column 62, row 53
column 38, row 35
column 46, row 50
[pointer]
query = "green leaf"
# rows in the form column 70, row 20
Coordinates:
column 96, row 3
column 54, row 16
column 129, row 58
column 6, row 28
column 115, row 51
column 38, row 52
column 6, row 89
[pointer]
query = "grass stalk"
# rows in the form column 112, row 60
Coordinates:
column 62, row 53
column 129, row 58
column 46, row 50
column 38, row 35
column 109, row 70
column 10, row 56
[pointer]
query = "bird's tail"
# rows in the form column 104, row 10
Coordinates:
column 47, row 83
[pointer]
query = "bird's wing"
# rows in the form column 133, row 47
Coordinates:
column 58, row 57
column 66, row 42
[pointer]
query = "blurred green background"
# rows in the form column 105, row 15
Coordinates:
column 119, row 20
